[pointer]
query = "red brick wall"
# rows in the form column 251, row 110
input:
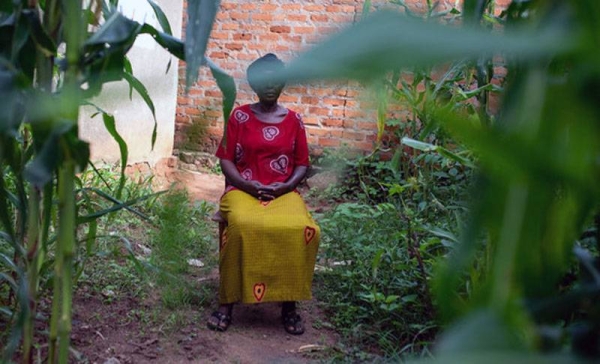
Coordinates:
column 335, row 114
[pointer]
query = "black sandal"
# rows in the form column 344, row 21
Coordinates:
column 223, row 321
column 292, row 323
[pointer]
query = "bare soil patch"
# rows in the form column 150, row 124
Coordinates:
column 117, row 332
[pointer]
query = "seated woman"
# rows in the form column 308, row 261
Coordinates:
column 269, row 246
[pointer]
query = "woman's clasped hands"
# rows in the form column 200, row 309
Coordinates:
column 267, row 192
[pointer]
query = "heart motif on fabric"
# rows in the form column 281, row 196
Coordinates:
column 270, row 132
column 309, row 234
column 280, row 164
column 239, row 152
column 259, row 291
column 265, row 203
column 247, row 174
column 241, row 116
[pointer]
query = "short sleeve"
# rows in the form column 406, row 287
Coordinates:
column 301, row 146
column 226, row 149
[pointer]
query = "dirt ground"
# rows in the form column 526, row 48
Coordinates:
column 109, row 333
column 116, row 332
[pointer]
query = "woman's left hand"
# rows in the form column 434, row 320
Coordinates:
column 272, row 191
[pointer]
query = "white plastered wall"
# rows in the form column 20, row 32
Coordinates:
column 133, row 117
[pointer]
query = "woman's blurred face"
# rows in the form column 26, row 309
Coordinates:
column 268, row 91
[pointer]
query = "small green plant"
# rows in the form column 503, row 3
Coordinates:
column 184, row 239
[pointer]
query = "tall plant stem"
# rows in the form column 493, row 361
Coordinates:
column 66, row 246
column 33, row 247
column 73, row 31
column 60, row 325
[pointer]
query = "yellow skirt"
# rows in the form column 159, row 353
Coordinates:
column 268, row 249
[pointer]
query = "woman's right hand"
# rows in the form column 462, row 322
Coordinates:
column 252, row 188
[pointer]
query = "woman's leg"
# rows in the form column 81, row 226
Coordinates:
column 292, row 322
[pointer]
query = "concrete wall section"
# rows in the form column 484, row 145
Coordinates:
column 134, row 119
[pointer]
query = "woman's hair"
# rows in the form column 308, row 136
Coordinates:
column 268, row 62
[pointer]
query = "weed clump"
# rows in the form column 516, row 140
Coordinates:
column 183, row 241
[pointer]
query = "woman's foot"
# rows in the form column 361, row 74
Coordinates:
column 220, row 319
column 292, row 322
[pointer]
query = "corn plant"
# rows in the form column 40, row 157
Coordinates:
column 536, row 189
column 43, row 85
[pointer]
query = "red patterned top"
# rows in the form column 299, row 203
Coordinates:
column 264, row 152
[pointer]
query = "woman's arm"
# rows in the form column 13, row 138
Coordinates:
column 235, row 179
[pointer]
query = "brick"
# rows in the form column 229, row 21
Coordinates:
column 206, row 83
column 280, row 29
column 281, row 48
column 297, row 89
column 238, row 16
column 291, row 7
column 353, row 135
column 213, row 113
column 242, row 36
column 335, row 9
column 310, row 120
column 301, row 18
column 268, row 8
column 212, row 93
column 215, row 130
column 304, row 30
column 334, row 101
column 269, row 38
column 293, row 39
column 219, row 35
column 336, row 133
column 249, row 6
column 192, row 111
column 290, row 99
column 313, row 8
column 338, row 113
column 355, row 114
column 336, row 123
column 319, row 17
column 328, row 142
column 254, row 28
column 366, row 146
column 218, row 55
column 308, row 100
column 234, row 46
column 349, row 124
column 202, row 102
column 229, row 26
column 182, row 119
column 318, row 111
column 340, row 92
column 323, row 31
column 183, row 100
column 317, row 132
column 262, row 17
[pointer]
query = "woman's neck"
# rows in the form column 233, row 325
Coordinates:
column 267, row 107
